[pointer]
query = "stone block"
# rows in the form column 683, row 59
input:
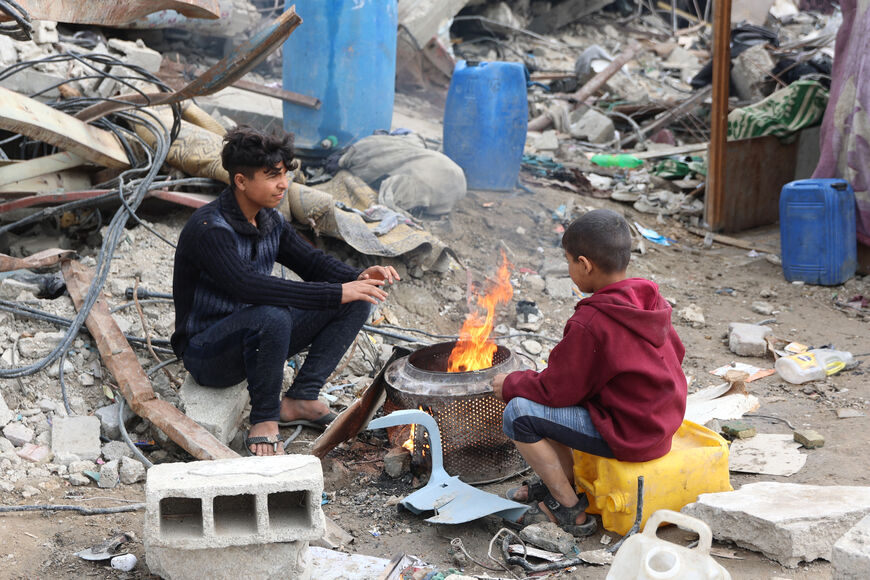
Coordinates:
column 6, row 415
column 593, row 127
column 810, row 439
column 108, row 417
column 78, row 436
column 748, row 339
column 18, row 434
column 218, row 410
column 750, row 73
column 131, row 471
column 850, row 557
column 137, row 54
column 115, row 450
column 233, row 502
column 560, row 287
column 245, row 107
column 109, row 474
column 11, row 289
column 276, row 560
column 40, row 344
column 739, row 430
column 30, row 81
column 786, row 522
column 397, row 462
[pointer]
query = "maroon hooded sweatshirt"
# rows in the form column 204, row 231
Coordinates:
column 620, row 358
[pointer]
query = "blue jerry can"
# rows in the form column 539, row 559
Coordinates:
column 485, row 122
column 817, row 231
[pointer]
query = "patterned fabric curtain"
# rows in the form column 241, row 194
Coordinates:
column 845, row 136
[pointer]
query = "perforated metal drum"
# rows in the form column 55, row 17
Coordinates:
column 468, row 415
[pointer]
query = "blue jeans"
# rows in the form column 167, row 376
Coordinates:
column 528, row 422
column 255, row 343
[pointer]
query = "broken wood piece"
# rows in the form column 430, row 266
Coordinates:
column 590, row 88
column 119, row 358
column 113, row 12
column 728, row 240
column 48, row 183
column 36, row 120
column 230, row 69
column 42, row 259
column 21, row 170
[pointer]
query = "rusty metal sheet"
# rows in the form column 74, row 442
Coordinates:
column 230, row 69
column 135, row 386
column 42, row 259
column 754, row 172
column 113, row 12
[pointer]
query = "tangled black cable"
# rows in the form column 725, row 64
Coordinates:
column 21, row 29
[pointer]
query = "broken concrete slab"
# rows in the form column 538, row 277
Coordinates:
column 108, row 416
column 275, row 560
column 850, row 557
column 76, row 436
column 787, row 522
column 423, row 19
column 768, row 454
column 18, row 433
column 40, row 344
column 137, row 54
column 217, row 410
column 750, row 73
column 115, row 450
column 109, row 474
column 131, row 470
column 245, row 108
column 592, row 126
column 748, row 339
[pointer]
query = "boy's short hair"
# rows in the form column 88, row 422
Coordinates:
column 603, row 237
column 247, row 150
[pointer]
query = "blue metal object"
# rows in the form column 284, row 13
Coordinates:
column 817, row 231
column 345, row 55
column 452, row 500
column 485, row 122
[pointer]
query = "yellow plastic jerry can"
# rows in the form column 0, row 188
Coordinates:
column 696, row 464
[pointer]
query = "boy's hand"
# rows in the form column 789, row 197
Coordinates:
column 386, row 273
column 497, row 383
column 365, row 290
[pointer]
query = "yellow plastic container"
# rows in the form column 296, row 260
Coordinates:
column 696, row 464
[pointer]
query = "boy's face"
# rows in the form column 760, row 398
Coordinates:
column 266, row 188
column 578, row 269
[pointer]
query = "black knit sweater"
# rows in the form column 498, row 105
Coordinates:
column 224, row 263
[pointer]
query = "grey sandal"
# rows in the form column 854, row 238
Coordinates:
column 565, row 516
column 537, row 491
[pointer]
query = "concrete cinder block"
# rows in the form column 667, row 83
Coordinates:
column 748, row 339
column 76, row 436
column 217, row 410
column 234, row 502
column 850, row 557
column 278, row 560
column 786, row 522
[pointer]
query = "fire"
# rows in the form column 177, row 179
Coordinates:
column 474, row 350
column 409, row 444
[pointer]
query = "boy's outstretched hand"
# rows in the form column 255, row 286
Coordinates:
column 497, row 383
column 366, row 290
column 386, row 273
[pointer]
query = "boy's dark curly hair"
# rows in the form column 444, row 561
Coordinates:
column 603, row 237
column 246, row 150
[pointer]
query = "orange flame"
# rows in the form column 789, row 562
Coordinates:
column 473, row 350
column 409, row 444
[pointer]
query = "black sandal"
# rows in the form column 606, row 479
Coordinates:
column 537, row 491
column 565, row 516
column 274, row 440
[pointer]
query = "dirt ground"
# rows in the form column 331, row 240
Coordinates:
column 41, row 544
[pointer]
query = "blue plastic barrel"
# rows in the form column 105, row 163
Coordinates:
column 343, row 53
column 485, row 122
column 817, row 231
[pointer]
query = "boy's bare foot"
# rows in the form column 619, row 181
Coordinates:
column 300, row 409
column 265, row 429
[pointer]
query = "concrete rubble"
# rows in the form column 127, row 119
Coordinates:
column 787, row 522
column 850, row 557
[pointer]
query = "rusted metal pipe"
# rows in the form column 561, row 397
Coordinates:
column 135, row 387
column 715, row 198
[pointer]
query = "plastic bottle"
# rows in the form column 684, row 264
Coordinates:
column 645, row 556
column 623, row 160
column 813, row 365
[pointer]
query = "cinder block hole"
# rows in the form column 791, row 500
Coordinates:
column 289, row 509
column 235, row 514
column 181, row 517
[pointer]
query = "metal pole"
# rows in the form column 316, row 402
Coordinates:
column 715, row 198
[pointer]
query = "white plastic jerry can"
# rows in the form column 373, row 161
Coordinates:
column 647, row 557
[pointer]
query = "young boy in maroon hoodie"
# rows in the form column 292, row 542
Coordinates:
column 614, row 386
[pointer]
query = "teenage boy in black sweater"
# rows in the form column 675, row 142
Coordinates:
column 235, row 321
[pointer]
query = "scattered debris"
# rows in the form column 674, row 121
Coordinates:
column 767, row 454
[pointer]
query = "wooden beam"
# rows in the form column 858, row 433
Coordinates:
column 715, row 197
column 36, row 120
column 21, row 170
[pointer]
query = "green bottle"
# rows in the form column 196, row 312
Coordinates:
column 621, row 160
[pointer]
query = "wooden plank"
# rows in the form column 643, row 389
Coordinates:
column 21, row 170
column 29, row 117
column 715, row 197
column 48, row 183
column 668, row 151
